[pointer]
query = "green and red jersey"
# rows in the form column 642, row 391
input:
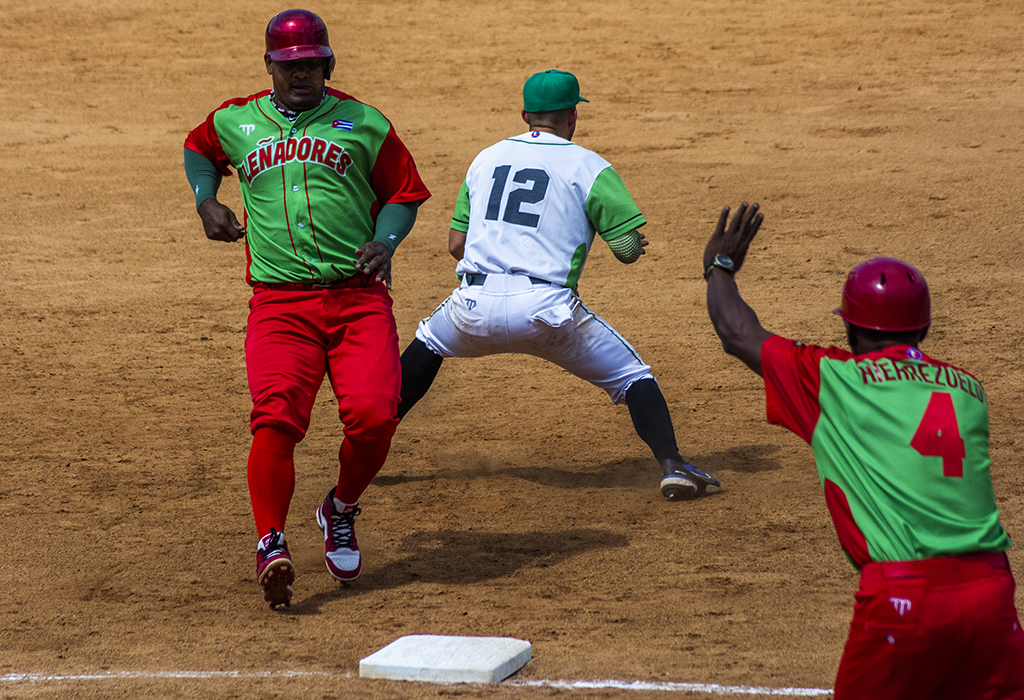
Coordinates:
column 901, row 445
column 312, row 188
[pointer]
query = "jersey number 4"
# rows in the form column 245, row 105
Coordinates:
column 938, row 435
column 517, row 197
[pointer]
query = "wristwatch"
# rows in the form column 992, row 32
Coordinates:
column 722, row 261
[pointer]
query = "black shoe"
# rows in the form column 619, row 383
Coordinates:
column 681, row 481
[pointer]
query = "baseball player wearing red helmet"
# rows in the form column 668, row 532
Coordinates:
column 329, row 192
column 901, row 444
column 525, row 219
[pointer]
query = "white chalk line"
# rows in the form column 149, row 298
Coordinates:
column 713, row 688
column 160, row 675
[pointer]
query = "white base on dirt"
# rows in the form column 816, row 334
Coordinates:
column 444, row 659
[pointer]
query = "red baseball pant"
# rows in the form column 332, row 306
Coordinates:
column 295, row 338
column 943, row 628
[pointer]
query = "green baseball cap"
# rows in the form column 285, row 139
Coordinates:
column 550, row 91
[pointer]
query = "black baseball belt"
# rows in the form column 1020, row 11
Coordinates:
column 474, row 279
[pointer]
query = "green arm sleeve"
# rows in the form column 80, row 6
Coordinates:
column 394, row 221
column 202, row 175
column 627, row 248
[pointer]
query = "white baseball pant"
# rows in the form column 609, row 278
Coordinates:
column 520, row 314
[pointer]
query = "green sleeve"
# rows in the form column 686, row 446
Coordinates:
column 394, row 221
column 202, row 175
column 460, row 219
column 610, row 207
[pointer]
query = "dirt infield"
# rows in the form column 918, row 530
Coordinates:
column 517, row 501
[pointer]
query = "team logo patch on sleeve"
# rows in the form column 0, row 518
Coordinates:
column 342, row 124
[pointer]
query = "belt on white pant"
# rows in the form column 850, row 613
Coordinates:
column 475, row 278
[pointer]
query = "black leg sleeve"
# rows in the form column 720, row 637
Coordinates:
column 419, row 367
column 651, row 418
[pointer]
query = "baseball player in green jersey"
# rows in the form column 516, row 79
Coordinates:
column 901, row 445
column 329, row 192
column 524, row 221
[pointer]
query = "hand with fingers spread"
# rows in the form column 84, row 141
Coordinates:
column 729, row 243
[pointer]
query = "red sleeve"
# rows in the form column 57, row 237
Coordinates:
column 394, row 177
column 792, row 379
column 204, row 140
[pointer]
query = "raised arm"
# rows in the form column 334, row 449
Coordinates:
column 735, row 322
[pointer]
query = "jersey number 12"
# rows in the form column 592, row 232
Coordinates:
column 517, row 197
column 938, row 435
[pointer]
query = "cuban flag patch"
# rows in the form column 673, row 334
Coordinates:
column 342, row 124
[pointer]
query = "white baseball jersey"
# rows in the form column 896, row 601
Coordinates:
column 530, row 207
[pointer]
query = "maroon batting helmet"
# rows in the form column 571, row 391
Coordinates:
column 296, row 34
column 886, row 294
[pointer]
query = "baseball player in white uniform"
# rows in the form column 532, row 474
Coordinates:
column 523, row 225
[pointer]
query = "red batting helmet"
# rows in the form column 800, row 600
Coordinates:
column 296, row 34
column 886, row 294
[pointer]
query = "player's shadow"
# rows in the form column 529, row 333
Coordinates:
column 623, row 473
column 458, row 558
column 747, row 459
column 633, row 472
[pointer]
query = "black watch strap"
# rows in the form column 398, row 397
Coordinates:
column 721, row 261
